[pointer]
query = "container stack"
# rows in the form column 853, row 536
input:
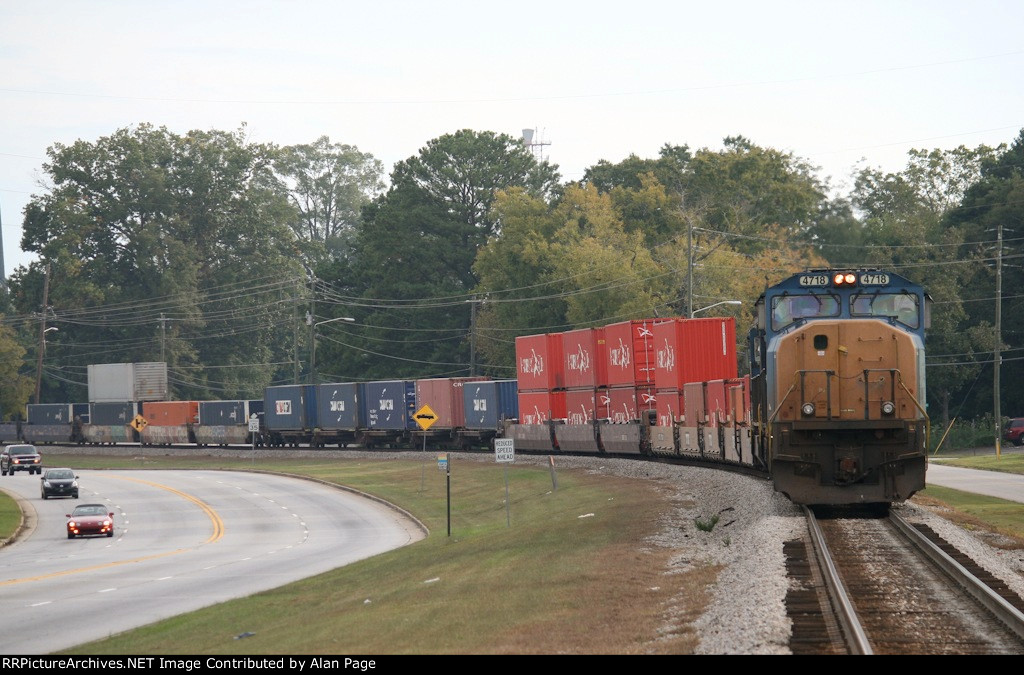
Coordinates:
column 629, row 349
column 585, row 360
column 541, row 380
column 688, row 354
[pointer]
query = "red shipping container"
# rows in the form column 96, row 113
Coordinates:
column 694, row 350
column 170, row 413
column 670, row 407
column 693, row 404
column 580, row 406
column 539, row 362
column 538, row 407
column 739, row 393
column 444, row 396
column 584, row 358
column 716, row 405
column 623, row 407
column 630, row 351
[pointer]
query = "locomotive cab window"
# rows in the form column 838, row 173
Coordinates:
column 787, row 309
column 902, row 307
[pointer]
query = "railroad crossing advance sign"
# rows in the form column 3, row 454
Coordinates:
column 139, row 423
column 505, row 450
column 425, row 417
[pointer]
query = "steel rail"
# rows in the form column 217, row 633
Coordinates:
column 856, row 638
column 1012, row 617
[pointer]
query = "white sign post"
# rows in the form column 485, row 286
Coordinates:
column 505, row 450
column 505, row 453
column 254, row 427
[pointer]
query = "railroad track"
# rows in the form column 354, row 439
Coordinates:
column 882, row 586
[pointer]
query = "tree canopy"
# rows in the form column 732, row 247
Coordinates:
column 231, row 259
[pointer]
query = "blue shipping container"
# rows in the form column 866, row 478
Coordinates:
column 112, row 414
column 488, row 403
column 223, row 413
column 390, row 404
column 49, row 413
column 338, row 406
column 81, row 411
column 290, row 407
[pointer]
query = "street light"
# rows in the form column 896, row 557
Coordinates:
column 723, row 302
column 39, row 360
column 312, row 350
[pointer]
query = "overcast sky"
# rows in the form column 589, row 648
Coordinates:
column 840, row 84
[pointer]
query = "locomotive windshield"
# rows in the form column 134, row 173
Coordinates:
column 787, row 309
column 900, row 306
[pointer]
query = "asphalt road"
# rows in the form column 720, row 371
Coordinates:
column 183, row 540
column 1009, row 486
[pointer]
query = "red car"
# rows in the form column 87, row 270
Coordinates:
column 90, row 519
column 1014, row 432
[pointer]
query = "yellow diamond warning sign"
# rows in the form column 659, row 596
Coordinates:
column 139, row 423
column 425, row 417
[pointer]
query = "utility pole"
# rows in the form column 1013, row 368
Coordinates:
column 42, row 332
column 295, row 337
column 997, row 352
column 312, row 328
column 163, row 338
column 689, row 267
column 472, row 337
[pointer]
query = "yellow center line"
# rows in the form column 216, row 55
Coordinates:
column 218, row 524
column 218, row 532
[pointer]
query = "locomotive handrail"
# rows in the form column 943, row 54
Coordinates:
column 927, row 419
column 771, row 418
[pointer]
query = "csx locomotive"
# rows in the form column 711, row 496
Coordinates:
column 837, row 364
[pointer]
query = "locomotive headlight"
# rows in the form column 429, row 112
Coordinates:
column 807, row 409
column 888, row 408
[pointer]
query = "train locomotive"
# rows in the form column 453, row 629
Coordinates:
column 838, row 386
column 832, row 408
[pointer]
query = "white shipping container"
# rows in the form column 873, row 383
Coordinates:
column 151, row 381
column 116, row 382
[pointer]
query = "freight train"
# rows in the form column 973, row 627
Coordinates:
column 831, row 409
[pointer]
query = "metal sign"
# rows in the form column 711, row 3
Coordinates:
column 254, row 424
column 442, row 462
column 139, row 423
column 425, row 417
column 504, row 450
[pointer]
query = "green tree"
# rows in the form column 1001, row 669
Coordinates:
column 993, row 204
column 17, row 387
column 413, row 257
column 328, row 183
column 907, row 225
column 161, row 245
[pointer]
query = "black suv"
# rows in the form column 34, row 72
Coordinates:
column 58, row 483
column 20, row 458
